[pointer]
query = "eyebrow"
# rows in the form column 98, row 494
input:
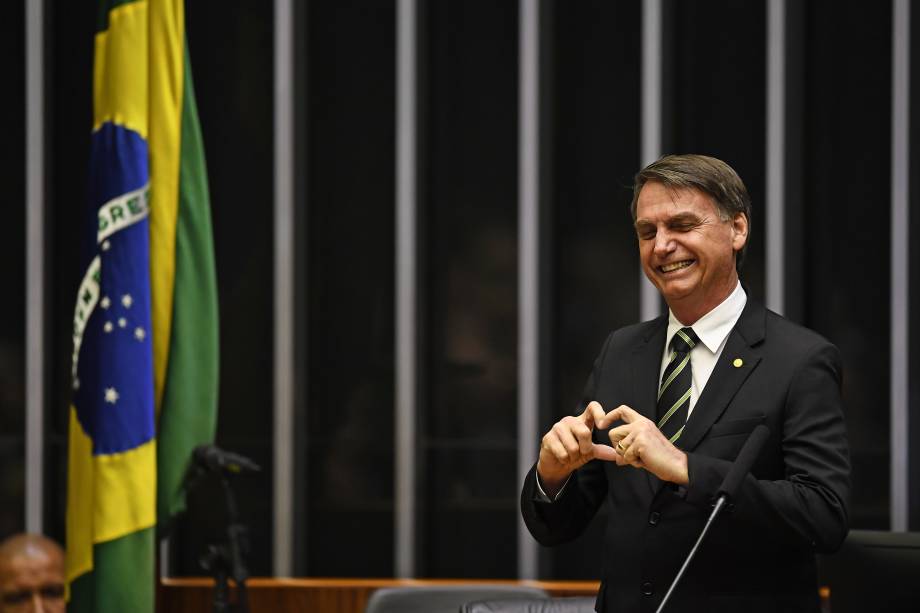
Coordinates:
column 679, row 218
column 684, row 218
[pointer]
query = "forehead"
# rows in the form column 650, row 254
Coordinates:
column 27, row 570
column 657, row 202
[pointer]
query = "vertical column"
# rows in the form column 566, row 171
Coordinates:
column 35, row 263
column 776, row 145
column 651, row 113
column 283, row 546
column 900, row 245
column 528, row 260
column 406, row 287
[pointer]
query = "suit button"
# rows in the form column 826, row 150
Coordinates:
column 653, row 518
column 647, row 588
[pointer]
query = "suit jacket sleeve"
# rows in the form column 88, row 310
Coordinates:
column 566, row 518
column 808, row 508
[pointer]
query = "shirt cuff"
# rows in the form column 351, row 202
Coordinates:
column 541, row 493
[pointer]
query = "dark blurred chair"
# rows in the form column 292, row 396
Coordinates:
column 444, row 599
column 578, row 604
column 873, row 571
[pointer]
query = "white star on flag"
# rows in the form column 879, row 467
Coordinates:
column 76, row 384
column 127, row 301
column 105, row 302
column 139, row 334
column 108, row 326
column 111, row 395
column 106, row 245
column 122, row 322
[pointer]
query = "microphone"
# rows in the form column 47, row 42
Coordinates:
column 739, row 470
column 216, row 460
column 743, row 463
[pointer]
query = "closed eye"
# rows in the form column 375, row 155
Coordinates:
column 645, row 231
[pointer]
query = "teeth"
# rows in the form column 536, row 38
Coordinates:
column 676, row 266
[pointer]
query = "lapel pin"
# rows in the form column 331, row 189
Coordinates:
column 738, row 363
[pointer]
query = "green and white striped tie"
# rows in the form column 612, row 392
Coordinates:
column 674, row 393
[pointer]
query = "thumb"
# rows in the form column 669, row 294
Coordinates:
column 604, row 452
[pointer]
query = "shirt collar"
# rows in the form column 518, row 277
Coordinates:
column 713, row 327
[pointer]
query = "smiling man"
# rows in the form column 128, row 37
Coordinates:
column 668, row 406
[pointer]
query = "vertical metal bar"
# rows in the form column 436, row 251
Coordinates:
column 35, row 264
column 283, row 291
column 900, row 250
column 165, row 565
column 528, row 260
column 652, row 33
column 406, row 287
column 776, row 145
column 651, row 137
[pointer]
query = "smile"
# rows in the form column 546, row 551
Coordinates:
column 675, row 266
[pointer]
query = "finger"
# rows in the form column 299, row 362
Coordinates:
column 625, row 444
column 632, row 458
column 583, row 436
column 633, row 448
column 557, row 450
column 593, row 413
column 563, row 432
column 622, row 412
column 619, row 433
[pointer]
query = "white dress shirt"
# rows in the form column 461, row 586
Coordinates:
column 712, row 329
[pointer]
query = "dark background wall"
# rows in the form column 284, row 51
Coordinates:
column 715, row 68
column 348, row 230
column 13, row 267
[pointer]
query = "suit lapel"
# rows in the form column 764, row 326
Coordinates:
column 646, row 363
column 726, row 377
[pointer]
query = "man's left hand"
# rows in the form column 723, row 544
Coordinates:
column 639, row 442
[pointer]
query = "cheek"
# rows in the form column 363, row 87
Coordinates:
column 645, row 251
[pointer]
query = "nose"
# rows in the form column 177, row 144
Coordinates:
column 38, row 603
column 663, row 242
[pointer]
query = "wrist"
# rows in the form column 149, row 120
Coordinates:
column 681, row 474
column 551, row 482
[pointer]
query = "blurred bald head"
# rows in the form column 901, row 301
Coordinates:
column 31, row 575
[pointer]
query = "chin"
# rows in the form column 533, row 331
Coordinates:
column 675, row 298
column 677, row 290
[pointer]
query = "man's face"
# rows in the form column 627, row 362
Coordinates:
column 32, row 582
column 687, row 249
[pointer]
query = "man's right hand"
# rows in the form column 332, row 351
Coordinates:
column 568, row 446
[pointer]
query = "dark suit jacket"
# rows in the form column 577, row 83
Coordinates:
column 758, row 556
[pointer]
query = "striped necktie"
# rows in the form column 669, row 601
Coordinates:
column 674, row 393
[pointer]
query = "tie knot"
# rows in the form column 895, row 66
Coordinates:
column 685, row 340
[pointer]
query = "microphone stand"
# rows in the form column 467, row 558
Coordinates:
column 720, row 503
column 741, row 466
column 227, row 561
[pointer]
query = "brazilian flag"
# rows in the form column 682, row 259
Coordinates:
column 145, row 329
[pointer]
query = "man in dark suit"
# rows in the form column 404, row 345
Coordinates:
column 686, row 390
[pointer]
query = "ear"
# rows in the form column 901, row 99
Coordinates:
column 739, row 231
